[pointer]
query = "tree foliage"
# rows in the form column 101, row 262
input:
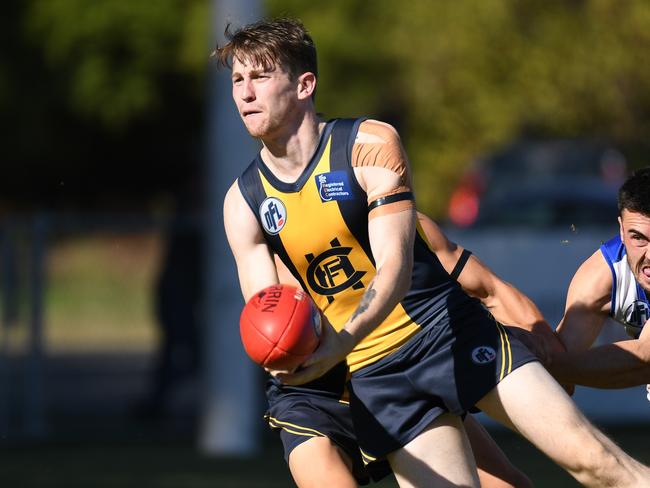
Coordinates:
column 459, row 79
column 102, row 99
column 113, row 53
column 462, row 78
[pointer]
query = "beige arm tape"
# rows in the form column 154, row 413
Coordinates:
column 378, row 144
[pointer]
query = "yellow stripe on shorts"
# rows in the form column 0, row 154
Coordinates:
column 506, row 351
column 366, row 458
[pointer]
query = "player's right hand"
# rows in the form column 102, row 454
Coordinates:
column 333, row 348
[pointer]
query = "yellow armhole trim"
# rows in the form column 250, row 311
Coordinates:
column 293, row 428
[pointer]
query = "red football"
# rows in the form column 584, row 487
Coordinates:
column 280, row 327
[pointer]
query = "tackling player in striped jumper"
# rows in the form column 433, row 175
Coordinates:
column 613, row 282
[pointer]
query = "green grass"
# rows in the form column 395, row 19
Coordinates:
column 177, row 464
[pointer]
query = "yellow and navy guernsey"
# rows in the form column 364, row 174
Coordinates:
column 318, row 226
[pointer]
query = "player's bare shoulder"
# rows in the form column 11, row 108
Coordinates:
column 238, row 218
column 592, row 283
column 233, row 203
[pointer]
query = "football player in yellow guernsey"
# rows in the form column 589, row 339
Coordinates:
column 333, row 200
column 507, row 305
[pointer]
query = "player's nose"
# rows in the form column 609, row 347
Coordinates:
column 247, row 91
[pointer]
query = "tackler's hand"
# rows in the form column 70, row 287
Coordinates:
column 549, row 343
column 532, row 342
column 333, row 348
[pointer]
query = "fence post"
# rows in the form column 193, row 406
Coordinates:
column 231, row 392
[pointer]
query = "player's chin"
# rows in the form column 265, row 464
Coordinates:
column 255, row 128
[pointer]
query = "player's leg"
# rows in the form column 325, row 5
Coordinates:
column 318, row 462
column 450, row 463
column 494, row 468
column 531, row 402
column 317, row 433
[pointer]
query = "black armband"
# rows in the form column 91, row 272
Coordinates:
column 460, row 264
column 397, row 197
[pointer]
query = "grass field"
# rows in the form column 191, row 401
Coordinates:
column 177, row 464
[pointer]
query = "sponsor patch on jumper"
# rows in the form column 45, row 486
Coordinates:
column 333, row 186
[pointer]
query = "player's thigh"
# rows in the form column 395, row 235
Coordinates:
column 438, row 457
column 530, row 401
column 494, row 468
column 319, row 462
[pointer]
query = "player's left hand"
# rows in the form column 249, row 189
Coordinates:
column 333, row 348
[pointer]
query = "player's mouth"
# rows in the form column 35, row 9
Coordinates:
column 645, row 270
column 247, row 113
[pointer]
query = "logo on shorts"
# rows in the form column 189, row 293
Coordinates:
column 483, row 355
column 273, row 214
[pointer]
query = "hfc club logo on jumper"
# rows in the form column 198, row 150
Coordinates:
column 331, row 272
column 273, row 214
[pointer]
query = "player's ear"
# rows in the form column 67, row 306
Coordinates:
column 306, row 85
column 620, row 228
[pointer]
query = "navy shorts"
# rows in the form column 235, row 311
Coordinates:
column 316, row 410
column 447, row 367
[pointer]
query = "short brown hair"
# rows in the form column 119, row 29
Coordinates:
column 283, row 43
column 634, row 195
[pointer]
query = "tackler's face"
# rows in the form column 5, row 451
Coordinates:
column 635, row 234
column 265, row 99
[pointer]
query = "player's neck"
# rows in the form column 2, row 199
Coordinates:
column 289, row 153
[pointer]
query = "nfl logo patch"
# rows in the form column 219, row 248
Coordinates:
column 273, row 215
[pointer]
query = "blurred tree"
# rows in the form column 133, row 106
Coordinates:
column 104, row 100
column 462, row 78
column 109, row 94
column 112, row 53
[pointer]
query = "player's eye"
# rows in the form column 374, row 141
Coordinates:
column 639, row 238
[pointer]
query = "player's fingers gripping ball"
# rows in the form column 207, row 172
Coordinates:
column 280, row 327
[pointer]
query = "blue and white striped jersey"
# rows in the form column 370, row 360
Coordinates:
column 630, row 305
